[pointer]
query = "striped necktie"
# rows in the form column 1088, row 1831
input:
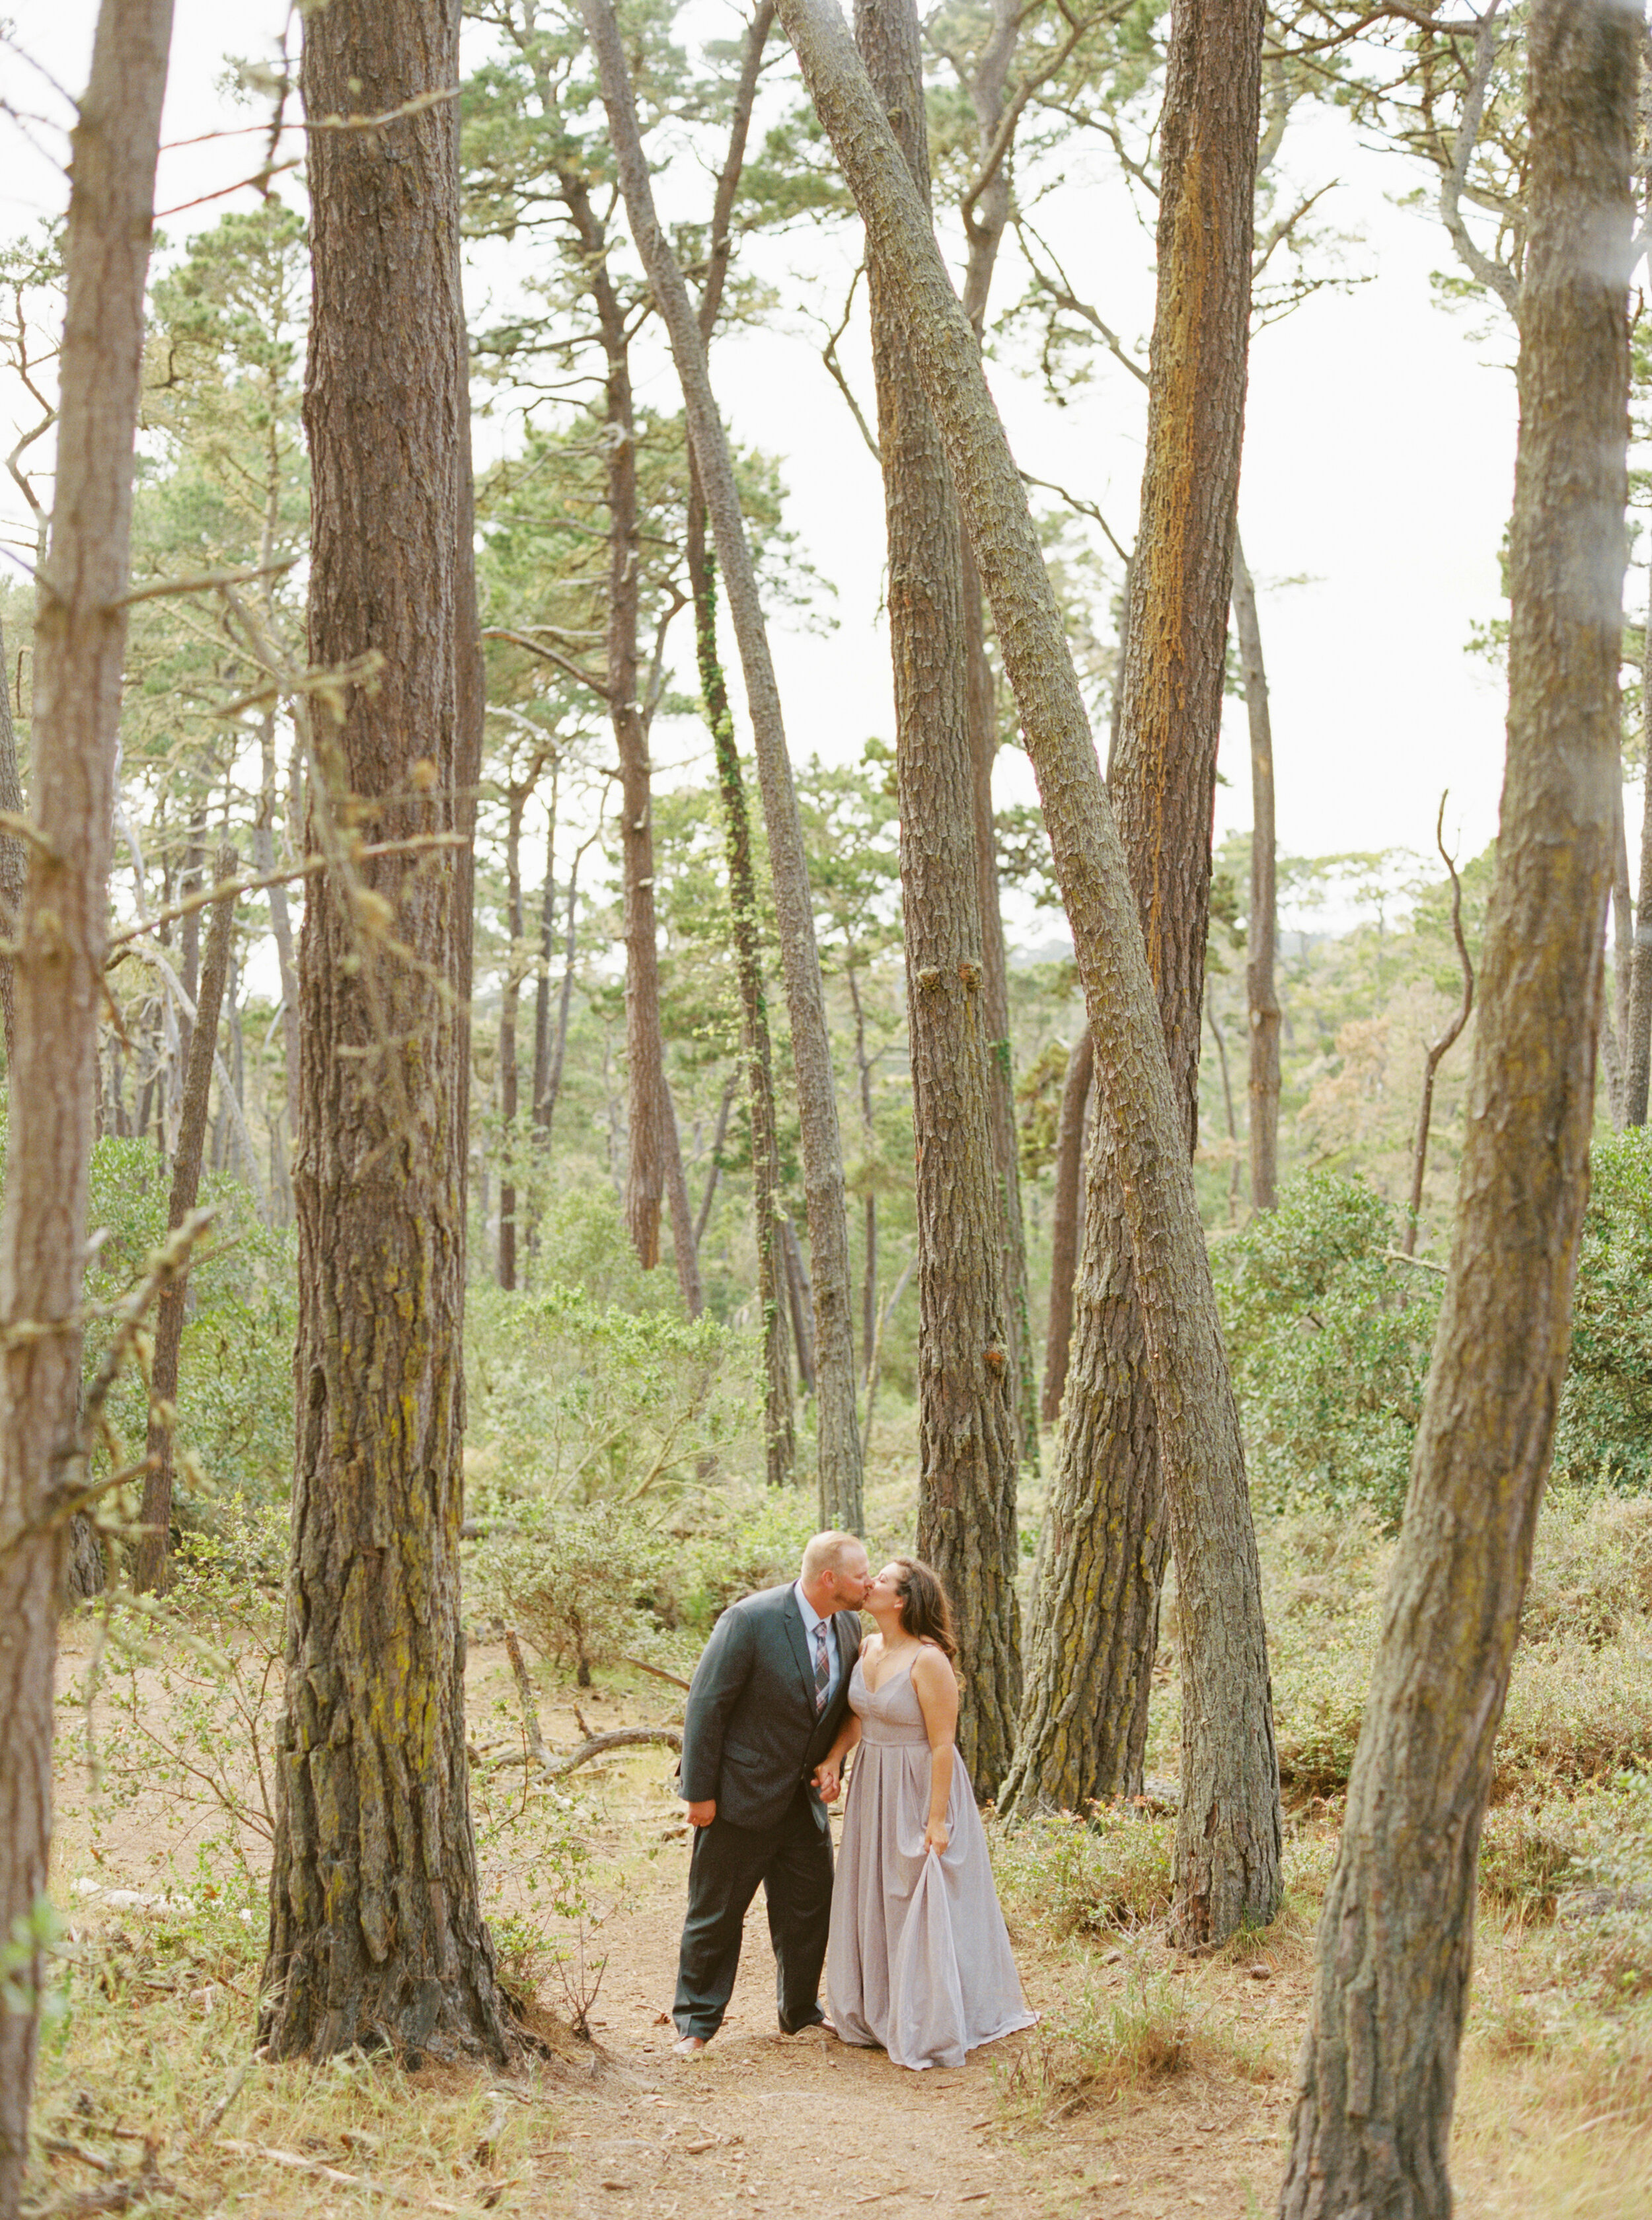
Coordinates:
column 822, row 1667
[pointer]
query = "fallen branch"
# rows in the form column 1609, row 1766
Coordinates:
column 658, row 1672
column 617, row 1738
column 335, row 2174
column 536, row 1749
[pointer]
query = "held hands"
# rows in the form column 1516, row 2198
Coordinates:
column 936, row 1836
column 827, row 1779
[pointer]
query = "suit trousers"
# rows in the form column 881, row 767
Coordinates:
column 793, row 1861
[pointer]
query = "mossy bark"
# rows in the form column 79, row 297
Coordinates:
column 966, row 1371
column 1094, row 1618
column 1378, row 2077
column 1228, row 1829
column 57, row 973
column 376, row 1930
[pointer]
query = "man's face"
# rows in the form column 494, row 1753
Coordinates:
column 850, row 1580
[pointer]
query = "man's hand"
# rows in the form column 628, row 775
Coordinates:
column 701, row 1815
column 828, row 1779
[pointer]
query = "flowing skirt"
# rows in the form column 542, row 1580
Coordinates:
column 919, row 1959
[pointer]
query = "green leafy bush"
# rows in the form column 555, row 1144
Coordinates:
column 1071, row 1876
column 1605, row 1434
column 1328, row 1340
column 578, row 1581
column 574, row 1401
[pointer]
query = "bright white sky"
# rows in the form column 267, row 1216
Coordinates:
column 1379, row 457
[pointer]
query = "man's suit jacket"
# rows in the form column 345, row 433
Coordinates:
column 750, row 1733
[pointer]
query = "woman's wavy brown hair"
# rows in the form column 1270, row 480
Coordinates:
column 925, row 1610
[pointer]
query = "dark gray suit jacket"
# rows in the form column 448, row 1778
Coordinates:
column 750, row 1733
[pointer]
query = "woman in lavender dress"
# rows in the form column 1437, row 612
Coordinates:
column 919, row 1959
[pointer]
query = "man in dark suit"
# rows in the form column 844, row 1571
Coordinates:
column 767, row 1697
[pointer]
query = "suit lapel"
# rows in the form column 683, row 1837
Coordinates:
column 799, row 1641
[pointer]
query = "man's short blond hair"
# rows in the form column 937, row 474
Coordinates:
column 825, row 1553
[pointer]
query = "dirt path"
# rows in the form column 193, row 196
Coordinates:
column 765, row 2123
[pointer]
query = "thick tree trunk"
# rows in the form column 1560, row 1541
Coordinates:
column 58, row 974
column 779, row 1431
column 1635, row 1044
column 835, row 1418
column 510, row 991
column 376, row 1930
column 967, row 1445
column 1260, row 990
column 1378, row 2076
column 1228, row 1828
column 1095, row 1614
column 151, row 1569
column 14, row 854
column 986, row 213
column 1066, row 1220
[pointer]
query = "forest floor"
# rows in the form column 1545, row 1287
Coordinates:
column 1154, row 2084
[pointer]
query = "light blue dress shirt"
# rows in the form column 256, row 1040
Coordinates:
column 811, row 1618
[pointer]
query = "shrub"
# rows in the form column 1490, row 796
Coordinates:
column 1328, row 1340
column 577, row 1580
column 1085, row 1875
column 1605, row 1433
column 1099, row 2040
column 569, row 1401
column 1591, row 1569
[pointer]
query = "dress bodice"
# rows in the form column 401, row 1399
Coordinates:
column 890, row 1713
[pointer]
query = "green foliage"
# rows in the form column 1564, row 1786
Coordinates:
column 1089, row 1875
column 234, row 1425
column 577, row 1581
column 1329, row 1338
column 1098, row 2041
column 1605, row 1432
column 572, row 1400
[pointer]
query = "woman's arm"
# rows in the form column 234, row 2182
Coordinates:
column 935, row 1685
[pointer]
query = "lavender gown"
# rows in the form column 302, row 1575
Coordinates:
column 919, row 1958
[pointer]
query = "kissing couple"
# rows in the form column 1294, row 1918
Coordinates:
column 917, row 1955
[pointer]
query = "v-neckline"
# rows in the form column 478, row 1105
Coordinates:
column 877, row 1689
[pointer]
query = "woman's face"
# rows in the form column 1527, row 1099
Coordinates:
column 885, row 1594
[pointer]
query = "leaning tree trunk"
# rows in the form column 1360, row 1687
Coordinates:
column 837, row 1428
column 58, row 974
column 151, row 1569
column 376, row 1928
column 1378, row 2076
column 510, row 996
column 1635, row 1050
column 14, row 854
column 986, row 211
column 779, row 1431
column 1261, row 987
column 1228, row 1829
column 1095, row 1611
column 966, row 1378
column 1066, row 1220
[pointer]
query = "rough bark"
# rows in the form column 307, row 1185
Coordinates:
column 151, row 1570
column 986, row 211
column 57, row 973
column 375, row 1930
column 837, row 1432
column 1228, row 1826
column 966, row 1378
column 510, row 993
column 1377, row 2081
column 1095, row 1611
column 779, row 1429
column 1066, row 1220
column 13, row 855
column 1260, row 989
column 1635, row 1044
